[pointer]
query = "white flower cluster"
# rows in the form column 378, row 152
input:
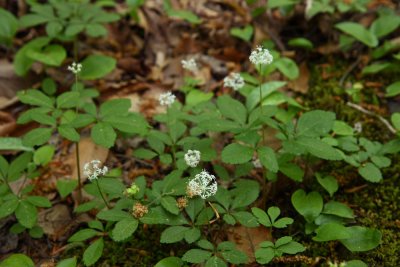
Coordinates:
column 203, row 185
column 261, row 56
column 358, row 127
column 166, row 99
column 93, row 170
column 75, row 68
column 192, row 158
column 234, row 81
column 190, row 65
column 257, row 163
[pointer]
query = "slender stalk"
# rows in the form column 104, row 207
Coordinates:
column 78, row 165
column 101, row 194
column 261, row 108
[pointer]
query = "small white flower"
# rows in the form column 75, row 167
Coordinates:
column 257, row 163
column 190, row 65
column 261, row 56
column 203, row 185
column 358, row 127
column 75, row 68
column 166, row 99
column 234, row 81
column 93, row 170
column 192, row 158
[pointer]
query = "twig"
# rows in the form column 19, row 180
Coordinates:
column 348, row 71
column 383, row 120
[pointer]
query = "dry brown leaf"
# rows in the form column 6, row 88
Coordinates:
column 301, row 84
column 248, row 239
column 7, row 123
column 88, row 151
column 54, row 220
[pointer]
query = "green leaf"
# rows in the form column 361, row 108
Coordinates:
column 356, row 263
column 96, row 66
column 235, row 256
column 124, row 124
column 22, row 63
column 245, row 193
column 195, row 97
column 361, row 239
column 66, row 187
column 17, row 260
column 143, row 153
column 18, row 165
column 338, row 209
column 68, row 100
column 124, row 229
column 39, row 201
column 95, row 30
column 264, row 255
column 315, row 123
column 49, row 86
column 173, row 234
column 113, row 215
column 8, row 26
column 395, row 118
column 358, row 31
column 384, row 25
column 268, row 158
column 192, row 235
column 93, row 253
column 69, row 133
column 52, row 55
column 169, row 262
column 308, row 205
column 205, row 244
column 181, row 14
column 370, row 172
column 43, row 155
column 13, row 143
column 83, row 235
column 214, row 261
column 169, row 203
column 37, row 136
column 253, row 99
column 26, row 214
column 103, row 134
column 232, row 109
column 375, row 68
column 292, row 247
column 245, row 218
column 262, row 216
column 288, row 67
column 301, row 42
column 342, row 128
column 35, row 98
column 381, row 161
column 319, row 148
column 119, row 107
column 329, row 183
column 280, row 3
column 283, row 222
column 243, row 33
column 331, row 231
column 8, row 207
column 196, row 256
column 71, row 262
column 236, row 154
column 393, row 89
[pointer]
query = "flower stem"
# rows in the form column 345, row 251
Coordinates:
column 101, row 194
column 78, row 165
column 261, row 108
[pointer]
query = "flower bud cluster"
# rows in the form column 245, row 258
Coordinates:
column 190, row 65
column 75, row 68
column 203, row 185
column 92, row 170
column 166, row 99
column 261, row 56
column 234, row 81
column 139, row 210
column 192, row 158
